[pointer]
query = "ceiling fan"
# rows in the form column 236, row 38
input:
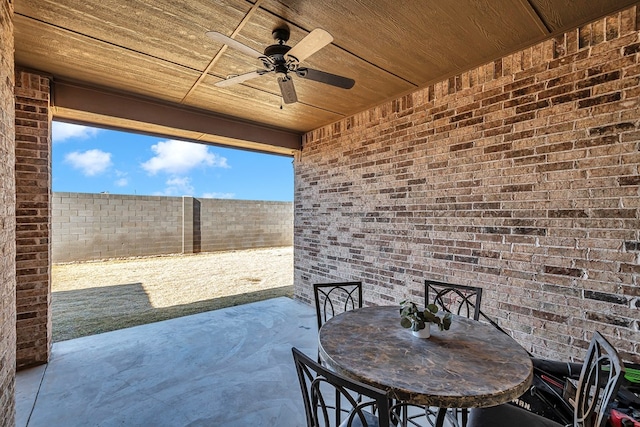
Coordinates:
column 285, row 61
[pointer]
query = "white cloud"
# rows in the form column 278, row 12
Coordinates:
column 90, row 162
column 178, row 157
column 178, row 186
column 219, row 195
column 60, row 132
column 122, row 180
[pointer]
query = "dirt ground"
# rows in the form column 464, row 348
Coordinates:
column 93, row 297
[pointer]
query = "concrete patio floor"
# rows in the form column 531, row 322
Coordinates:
column 229, row 367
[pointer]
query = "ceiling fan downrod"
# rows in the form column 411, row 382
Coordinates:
column 274, row 59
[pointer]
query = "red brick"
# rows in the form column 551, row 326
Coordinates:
column 535, row 200
column 7, row 218
column 33, row 181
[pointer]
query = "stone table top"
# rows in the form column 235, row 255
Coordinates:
column 470, row 365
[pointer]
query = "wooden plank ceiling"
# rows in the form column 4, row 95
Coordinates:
column 156, row 52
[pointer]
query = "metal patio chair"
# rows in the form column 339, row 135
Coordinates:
column 457, row 299
column 332, row 400
column 336, row 298
column 600, row 378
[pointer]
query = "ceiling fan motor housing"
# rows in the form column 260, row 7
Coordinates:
column 277, row 61
column 281, row 35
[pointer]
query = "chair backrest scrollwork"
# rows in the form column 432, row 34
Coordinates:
column 336, row 298
column 457, row 299
column 600, row 379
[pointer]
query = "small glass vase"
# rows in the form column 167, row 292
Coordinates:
column 423, row 333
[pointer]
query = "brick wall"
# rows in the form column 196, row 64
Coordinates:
column 33, row 193
column 7, row 220
column 520, row 176
column 98, row 226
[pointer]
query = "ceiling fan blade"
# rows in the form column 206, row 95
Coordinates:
column 313, row 42
column 328, row 78
column 239, row 79
column 221, row 38
column 288, row 90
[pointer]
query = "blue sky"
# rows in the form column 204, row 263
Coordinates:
column 91, row 160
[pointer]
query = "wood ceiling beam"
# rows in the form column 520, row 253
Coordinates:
column 535, row 17
column 223, row 49
column 78, row 102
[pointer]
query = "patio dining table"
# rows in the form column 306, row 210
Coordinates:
column 470, row 365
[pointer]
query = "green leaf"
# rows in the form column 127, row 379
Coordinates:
column 430, row 317
column 411, row 317
column 405, row 322
column 446, row 323
column 432, row 308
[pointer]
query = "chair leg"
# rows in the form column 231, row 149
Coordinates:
column 399, row 413
column 457, row 417
column 442, row 412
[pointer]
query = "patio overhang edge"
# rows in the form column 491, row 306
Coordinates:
column 80, row 103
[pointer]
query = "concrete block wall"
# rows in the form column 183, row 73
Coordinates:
column 33, row 209
column 98, row 226
column 520, row 176
column 245, row 224
column 7, row 219
column 89, row 226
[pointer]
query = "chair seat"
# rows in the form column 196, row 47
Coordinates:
column 507, row 415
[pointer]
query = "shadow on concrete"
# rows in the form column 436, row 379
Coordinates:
column 92, row 311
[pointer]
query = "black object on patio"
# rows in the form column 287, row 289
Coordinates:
column 336, row 298
column 462, row 300
column 600, row 379
column 331, row 400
